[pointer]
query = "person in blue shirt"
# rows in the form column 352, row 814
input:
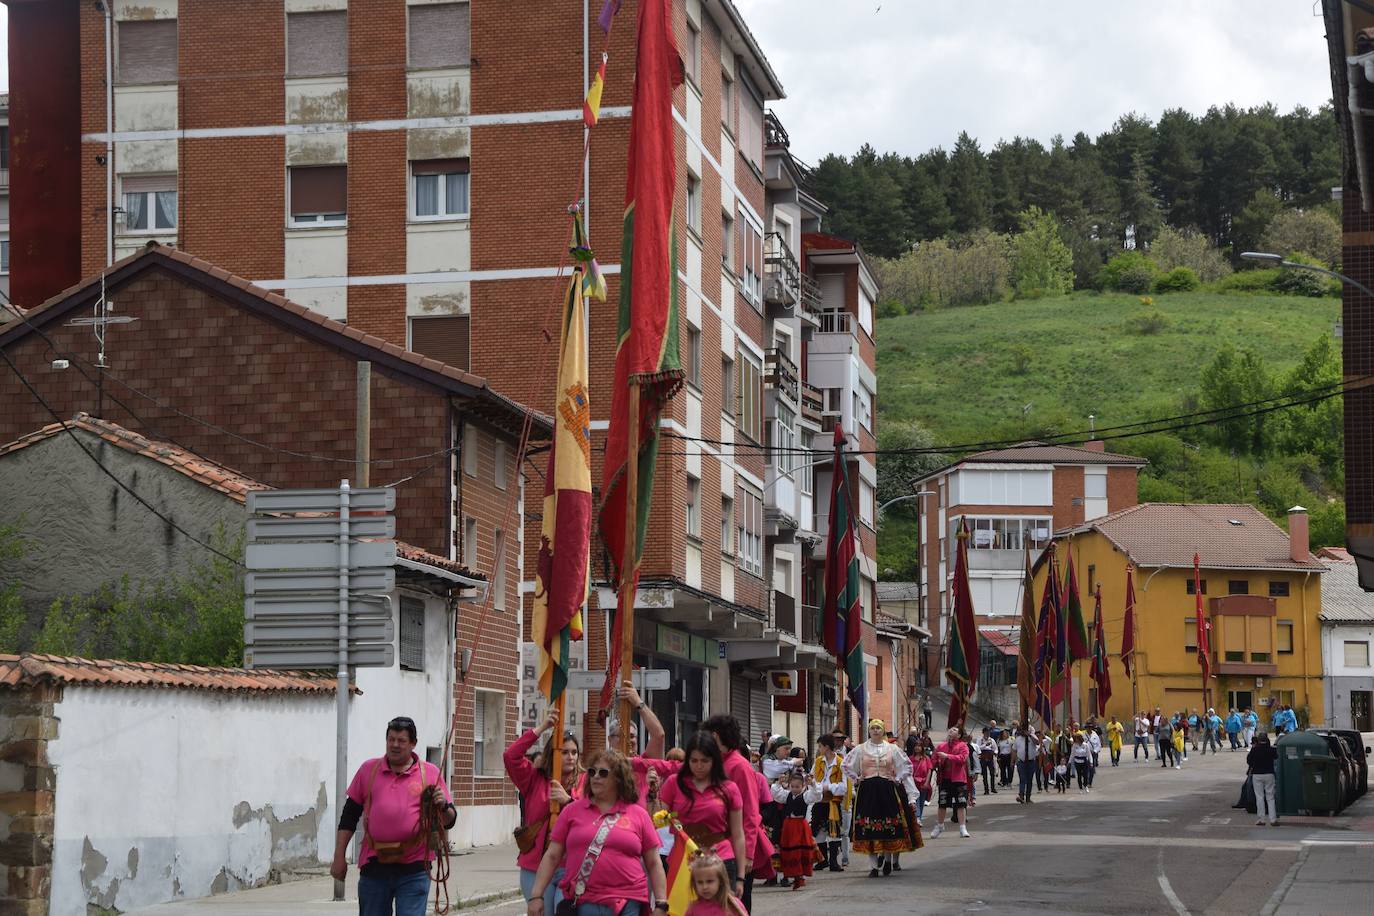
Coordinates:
column 1248, row 722
column 1233, row 729
column 1194, row 726
column 1285, row 721
column 1211, row 725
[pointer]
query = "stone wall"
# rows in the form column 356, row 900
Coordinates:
column 28, row 785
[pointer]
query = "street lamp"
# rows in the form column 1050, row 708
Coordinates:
column 900, row 499
column 1278, row 260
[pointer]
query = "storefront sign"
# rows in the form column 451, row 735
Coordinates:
column 674, row 642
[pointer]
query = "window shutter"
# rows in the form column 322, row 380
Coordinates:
column 317, row 43
column 444, row 338
column 319, row 189
column 440, row 36
column 141, row 184
column 440, row 166
column 148, row 51
column 412, row 654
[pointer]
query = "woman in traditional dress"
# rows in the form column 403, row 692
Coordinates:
column 882, row 820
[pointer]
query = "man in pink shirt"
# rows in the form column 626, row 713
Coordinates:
column 952, row 762
column 392, row 790
column 653, row 750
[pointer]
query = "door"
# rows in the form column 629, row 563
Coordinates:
column 1359, row 710
column 1240, row 699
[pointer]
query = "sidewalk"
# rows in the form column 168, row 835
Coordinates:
column 1332, row 873
column 480, row 876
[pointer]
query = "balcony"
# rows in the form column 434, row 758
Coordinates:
column 835, row 322
column 781, row 271
column 774, row 134
column 811, row 624
column 780, row 373
column 812, row 402
column 811, row 298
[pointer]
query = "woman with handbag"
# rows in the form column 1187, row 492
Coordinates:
column 708, row 805
column 608, row 847
column 538, row 793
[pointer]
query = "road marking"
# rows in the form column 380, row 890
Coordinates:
column 1337, row 842
column 1218, row 821
column 1161, row 820
column 1005, row 817
column 1166, row 888
column 1276, row 898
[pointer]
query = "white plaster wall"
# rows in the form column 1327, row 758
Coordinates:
column 144, row 9
column 319, row 253
column 317, row 99
column 145, row 108
column 166, row 793
column 314, row 6
column 435, row 247
column 1334, row 638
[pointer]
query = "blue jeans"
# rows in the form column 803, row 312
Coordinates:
column 922, row 796
column 631, row 908
column 551, row 893
column 408, row 893
column 1026, row 770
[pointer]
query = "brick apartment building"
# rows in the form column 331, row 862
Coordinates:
column 1010, row 498
column 405, row 166
column 260, row 385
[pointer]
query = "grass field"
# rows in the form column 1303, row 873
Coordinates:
column 957, row 371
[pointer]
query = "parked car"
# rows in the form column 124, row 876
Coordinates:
column 1359, row 754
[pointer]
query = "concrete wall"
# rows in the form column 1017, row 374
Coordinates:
column 1341, row 679
column 79, row 525
column 26, row 798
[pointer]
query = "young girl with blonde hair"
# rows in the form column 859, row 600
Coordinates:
column 711, row 886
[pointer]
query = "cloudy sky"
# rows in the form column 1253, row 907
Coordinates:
column 907, row 75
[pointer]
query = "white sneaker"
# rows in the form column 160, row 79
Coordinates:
column 1178, row 766
column 963, row 831
column 939, row 829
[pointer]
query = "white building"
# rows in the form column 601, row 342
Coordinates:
column 1347, row 619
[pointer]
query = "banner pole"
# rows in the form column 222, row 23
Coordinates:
column 629, row 567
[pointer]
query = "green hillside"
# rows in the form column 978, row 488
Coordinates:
column 1039, row 368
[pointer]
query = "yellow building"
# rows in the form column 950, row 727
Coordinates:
column 1261, row 592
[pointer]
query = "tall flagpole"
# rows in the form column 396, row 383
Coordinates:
column 629, row 567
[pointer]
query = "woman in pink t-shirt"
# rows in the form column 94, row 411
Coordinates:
column 708, row 805
column 539, row 792
column 615, row 878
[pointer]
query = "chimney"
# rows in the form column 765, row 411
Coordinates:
column 1095, row 445
column 1297, row 535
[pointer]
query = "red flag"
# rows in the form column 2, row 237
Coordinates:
column 1204, row 626
column 1075, row 629
column 1101, row 675
column 1128, row 637
column 961, row 666
column 1025, row 654
column 646, row 358
column 842, row 633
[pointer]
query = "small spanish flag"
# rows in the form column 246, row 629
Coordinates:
column 591, row 107
column 680, row 893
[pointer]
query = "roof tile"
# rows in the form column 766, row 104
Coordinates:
column 32, row 669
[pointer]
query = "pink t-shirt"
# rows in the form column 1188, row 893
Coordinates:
column 711, row 908
column 955, row 767
column 706, row 809
column 618, row 874
column 393, row 808
column 745, row 778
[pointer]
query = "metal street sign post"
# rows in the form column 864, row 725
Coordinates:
column 645, row 679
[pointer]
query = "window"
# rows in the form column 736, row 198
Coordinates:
column 866, row 503
column 693, row 357
column 751, row 274
column 317, row 43
column 4, row 146
column 1190, row 637
column 1356, row 654
column 750, row 132
column 727, row 526
column 691, row 54
column 470, row 542
column 443, row 337
column 1004, row 533
column 1237, row 587
column 727, row 386
column 750, row 413
column 150, row 203
column 727, row 242
column 470, row 450
column 1285, row 637
column 1191, row 585
column 693, row 507
column 440, row 35
column 783, row 429
column 878, row 674
column 498, row 583
column 319, row 195
column 412, row 652
column 1094, row 492
column 1092, row 578
column 727, row 102
column 1278, row 589
column 147, row 52
column 694, row 203
column 488, row 725
column 439, row 189
column 750, row 530
column 4, row 256
column 808, row 469
column 500, row 466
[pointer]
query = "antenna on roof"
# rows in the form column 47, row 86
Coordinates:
column 101, row 319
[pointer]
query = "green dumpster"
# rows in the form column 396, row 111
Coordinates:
column 1321, row 788
column 1289, row 773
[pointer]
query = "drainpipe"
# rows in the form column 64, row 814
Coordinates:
column 104, row 6
column 1306, row 696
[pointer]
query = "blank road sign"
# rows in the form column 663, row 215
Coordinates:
column 376, row 656
column 323, row 606
column 377, row 499
column 306, row 529
column 359, row 580
column 318, row 556
column 374, row 629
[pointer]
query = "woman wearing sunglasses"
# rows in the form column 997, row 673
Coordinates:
column 530, row 766
column 606, row 844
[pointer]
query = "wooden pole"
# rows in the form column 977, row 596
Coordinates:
column 556, row 748
column 629, row 565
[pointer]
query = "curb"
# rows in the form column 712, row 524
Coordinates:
column 468, row 903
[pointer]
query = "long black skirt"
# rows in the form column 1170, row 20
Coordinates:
column 882, row 820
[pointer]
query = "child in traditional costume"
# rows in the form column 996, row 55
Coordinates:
column 797, row 845
column 830, row 816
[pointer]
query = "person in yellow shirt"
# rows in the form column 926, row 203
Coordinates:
column 1115, row 731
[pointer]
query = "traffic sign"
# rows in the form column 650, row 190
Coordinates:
column 644, row 679
column 318, row 555
column 359, row 580
column 381, row 655
column 311, row 630
column 322, row 527
column 260, row 607
column 377, row 499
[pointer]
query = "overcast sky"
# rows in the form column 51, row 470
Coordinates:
column 908, row 75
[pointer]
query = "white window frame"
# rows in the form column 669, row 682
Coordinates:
column 470, row 450
column 807, row 483
column 316, row 220
column 727, row 525
column 4, row 257
column 1358, row 644
column 751, row 267
column 499, row 471
column 749, row 387
column 750, row 528
column 488, row 741
column 727, row 242
column 691, row 60
column 727, row 102
column 729, row 392
column 784, row 440
column 498, row 576
column 469, row 543
column 694, row 203
column 693, row 356
column 866, row 499
column 407, row 604
column 444, row 179
column 693, row 513
column 149, row 207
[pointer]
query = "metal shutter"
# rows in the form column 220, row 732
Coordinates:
column 319, row 189
column 760, row 708
column 317, row 43
column 412, row 652
column 148, row 51
column 440, row 36
column 443, row 338
column 739, row 703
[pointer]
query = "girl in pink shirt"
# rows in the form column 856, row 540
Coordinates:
column 538, row 793
column 709, row 884
column 708, row 805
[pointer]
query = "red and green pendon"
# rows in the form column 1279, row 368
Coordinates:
column 962, row 666
column 842, row 620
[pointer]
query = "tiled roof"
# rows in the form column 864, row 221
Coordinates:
column 202, row 470
column 890, row 621
column 1226, row 536
column 1039, row 453
column 1000, row 639
column 1343, row 601
column 898, row 591
column 332, row 332
column 1338, row 554
column 28, row 670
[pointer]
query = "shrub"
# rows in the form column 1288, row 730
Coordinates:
column 1173, row 248
column 1301, row 282
column 1129, row 272
column 890, row 308
column 1257, row 280
column 1022, row 357
column 1042, row 264
column 1178, row 280
column 1149, row 322
column 971, row 270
